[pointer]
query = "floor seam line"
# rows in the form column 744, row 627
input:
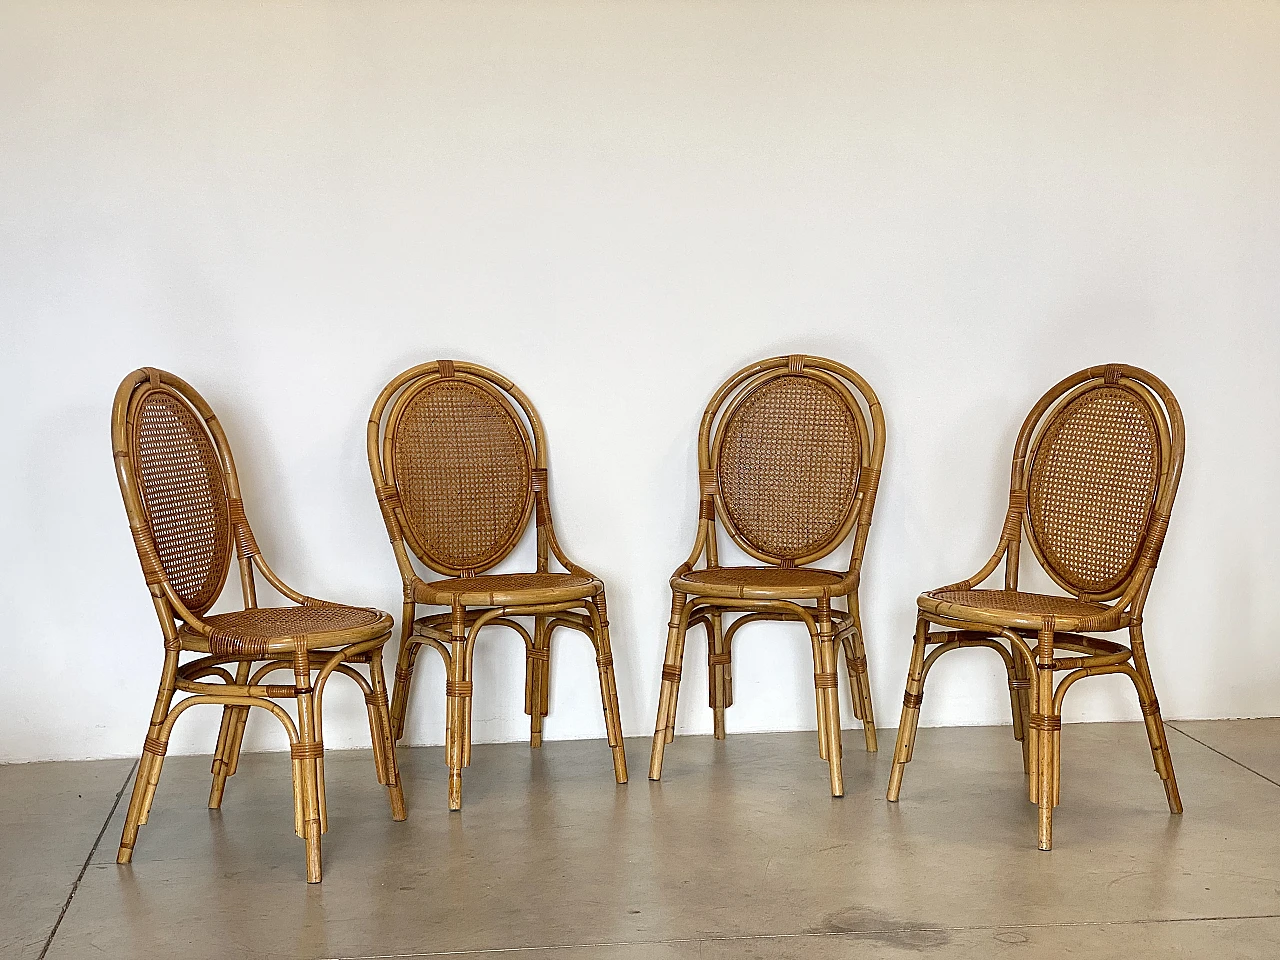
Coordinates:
column 874, row 932
column 84, row 867
column 1225, row 755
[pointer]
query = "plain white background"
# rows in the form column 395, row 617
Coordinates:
column 617, row 205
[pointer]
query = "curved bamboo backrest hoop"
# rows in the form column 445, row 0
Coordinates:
column 1095, row 471
column 786, row 449
column 456, row 464
column 179, row 485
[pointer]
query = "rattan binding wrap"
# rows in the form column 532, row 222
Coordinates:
column 1092, row 487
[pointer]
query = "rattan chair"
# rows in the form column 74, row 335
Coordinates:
column 789, row 460
column 1095, row 470
column 183, row 501
column 459, row 465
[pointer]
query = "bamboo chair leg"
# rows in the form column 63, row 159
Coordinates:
column 154, row 748
column 1020, row 698
column 911, row 701
column 229, row 734
column 1155, row 725
column 819, row 697
column 857, row 666
column 827, row 682
column 608, row 687
column 718, row 661
column 536, row 670
column 455, row 718
column 664, row 728
column 306, row 752
column 1045, row 723
column 390, row 769
column 404, row 671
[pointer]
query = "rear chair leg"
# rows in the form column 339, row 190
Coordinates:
column 537, row 674
column 857, row 666
column 229, row 736
column 390, row 769
column 1155, row 725
column 404, row 670
column 719, row 659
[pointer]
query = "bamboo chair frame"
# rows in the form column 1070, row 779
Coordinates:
column 574, row 598
column 180, row 487
column 785, row 589
column 1108, row 577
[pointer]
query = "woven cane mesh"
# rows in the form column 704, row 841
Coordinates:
column 1029, row 604
column 300, row 621
column 1093, row 483
column 460, row 462
column 513, row 583
column 763, row 577
column 184, row 496
column 788, row 466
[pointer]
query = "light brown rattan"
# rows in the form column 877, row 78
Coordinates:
column 458, row 457
column 1095, row 471
column 1034, row 604
column 182, row 497
column 461, row 461
column 1092, row 487
column 789, row 457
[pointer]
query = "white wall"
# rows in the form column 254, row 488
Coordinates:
column 617, row 205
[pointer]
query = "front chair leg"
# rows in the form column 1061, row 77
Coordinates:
column 1046, row 724
column 911, row 701
column 305, row 754
column 390, row 769
column 608, row 686
column 664, row 728
column 826, row 681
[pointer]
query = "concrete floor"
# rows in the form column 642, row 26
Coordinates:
column 739, row 853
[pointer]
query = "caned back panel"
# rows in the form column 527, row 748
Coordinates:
column 1093, row 479
column 787, row 460
column 184, row 495
column 461, row 461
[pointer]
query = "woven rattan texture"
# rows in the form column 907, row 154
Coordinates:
column 1093, row 483
column 510, row 583
column 788, row 466
column 184, row 496
column 1030, row 604
column 280, row 622
column 763, row 577
column 462, row 468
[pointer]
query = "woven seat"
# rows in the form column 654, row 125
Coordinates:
column 279, row 630
column 789, row 455
column 1010, row 608
column 497, row 590
column 182, row 497
column 1095, row 470
column 767, row 583
column 458, row 458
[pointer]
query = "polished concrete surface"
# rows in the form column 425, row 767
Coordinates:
column 739, row 853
